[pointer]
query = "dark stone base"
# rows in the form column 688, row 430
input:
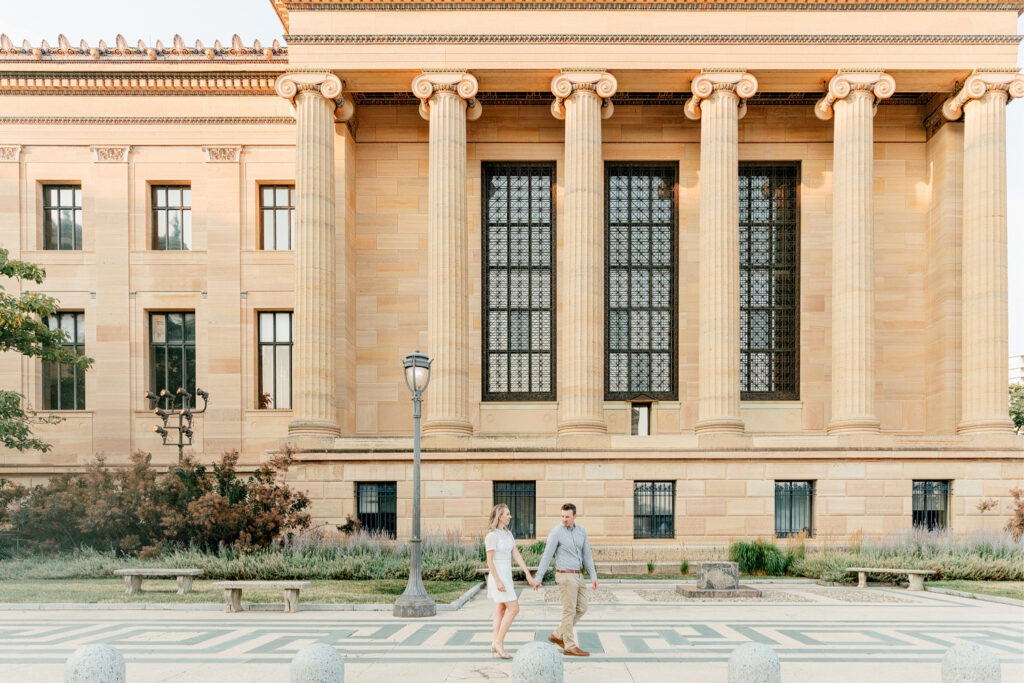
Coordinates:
column 415, row 609
column 741, row 592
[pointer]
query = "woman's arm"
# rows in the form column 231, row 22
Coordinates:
column 494, row 572
column 522, row 563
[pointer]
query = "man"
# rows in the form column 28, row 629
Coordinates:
column 569, row 545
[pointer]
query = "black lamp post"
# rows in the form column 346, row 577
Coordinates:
column 166, row 409
column 415, row 602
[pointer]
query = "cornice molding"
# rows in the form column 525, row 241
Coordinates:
column 116, row 154
column 878, row 84
column 598, row 81
column 180, row 83
column 10, row 153
column 709, row 81
column 651, row 39
column 283, row 7
column 982, row 81
column 148, row 120
column 461, row 83
column 289, row 85
column 120, row 51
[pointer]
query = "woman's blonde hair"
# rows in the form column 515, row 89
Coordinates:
column 496, row 511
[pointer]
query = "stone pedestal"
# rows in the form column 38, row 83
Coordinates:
column 719, row 580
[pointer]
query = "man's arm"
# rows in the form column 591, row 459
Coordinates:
column 588, row 558
column 549, row 552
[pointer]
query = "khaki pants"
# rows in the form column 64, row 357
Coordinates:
column 573, row 591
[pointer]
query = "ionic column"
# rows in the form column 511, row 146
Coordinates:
column 852, row 97
column 719, row 101
column 318, row 104
column 982, row 101
column 582, row 100
column 447, row 102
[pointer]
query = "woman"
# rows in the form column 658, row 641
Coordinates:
column 501, row 548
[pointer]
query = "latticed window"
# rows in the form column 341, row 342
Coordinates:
column 640, row 333
column 654, row 509
column 172, row 217
column 277, row 216
column 275, row 342
column 794, row 508
column 64, row 385
column 519, row 282
column 521, row 498
column 768, row 280
column 376, row 507
column 62, row 217
column 931, row 504
column 172, row 348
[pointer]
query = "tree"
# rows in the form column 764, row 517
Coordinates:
column 23, row 331
column 1017, row 406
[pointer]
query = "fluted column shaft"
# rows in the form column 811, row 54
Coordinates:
column 315, row 97
column 851, row 100
column 444, row 104
column 581, row 99
column 718, row 103
column 984, row 314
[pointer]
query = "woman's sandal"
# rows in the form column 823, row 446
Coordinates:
column 501, row 654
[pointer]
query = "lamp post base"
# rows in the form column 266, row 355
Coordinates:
column 415, row 606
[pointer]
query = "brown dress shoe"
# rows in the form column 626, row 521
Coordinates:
column 556, row 640
column 576, row 652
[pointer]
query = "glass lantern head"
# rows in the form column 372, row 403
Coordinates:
column 417, row 372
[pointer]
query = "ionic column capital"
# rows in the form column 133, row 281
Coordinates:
column 289, row 85
column 461, row 83
column 738, row 82
column 599, row 82
column 876, row 82
column 983, row 81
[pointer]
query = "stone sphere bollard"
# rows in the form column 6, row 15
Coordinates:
column 970, row 663
column 318, row 663
column 754, row 663
column 96, row 663
column 537, row 663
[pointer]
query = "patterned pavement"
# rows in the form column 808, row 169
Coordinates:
column 815, row 631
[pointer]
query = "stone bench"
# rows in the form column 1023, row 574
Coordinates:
column 133, row 578
column 233, row 592
column 916, row 575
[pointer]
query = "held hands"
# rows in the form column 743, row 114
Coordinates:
column 533, row 583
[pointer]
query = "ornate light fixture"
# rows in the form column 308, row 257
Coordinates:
column 166, row 407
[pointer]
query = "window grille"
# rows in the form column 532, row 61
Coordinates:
column 640, row 281
column 62, row 217
column 277, row 217
column 64, row 385
column 275, row 360
column 172, row 217
column 521, row 498
column 518, row 282
column 769, row 321
column 794, row 508
column 376, row 507
column 931, row 504
column 172, row 346
column 654, row 509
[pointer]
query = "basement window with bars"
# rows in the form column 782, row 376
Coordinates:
column 931, row 504
column 521, row 498
column 769, row 235
column 794, row 508
column 376, row 508
column 518, row 282
column 654, row 509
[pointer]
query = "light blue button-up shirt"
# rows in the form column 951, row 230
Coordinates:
column 571, row 550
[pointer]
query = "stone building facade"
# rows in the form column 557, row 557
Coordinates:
column 709, row 271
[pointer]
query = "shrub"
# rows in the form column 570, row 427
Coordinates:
column 1016, row 524
column 684, row 567
column 650, row 566
column 760, row 557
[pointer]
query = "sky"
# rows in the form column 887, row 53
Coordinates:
column 210, row 20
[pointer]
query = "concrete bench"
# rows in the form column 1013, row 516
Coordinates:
column 916, row 575
column 233, row 592
column 133, row 578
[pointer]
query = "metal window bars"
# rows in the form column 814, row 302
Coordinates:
column 654, row 509
column 521, row 498
column 794, row 508
column 376, row 507
column 931, row 504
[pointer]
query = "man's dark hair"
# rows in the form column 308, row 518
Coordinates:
column 569, row 506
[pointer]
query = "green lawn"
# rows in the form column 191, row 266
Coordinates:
column 165, row 590
column 1003, row 589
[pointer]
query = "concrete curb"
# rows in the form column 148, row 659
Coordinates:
column 977, row 596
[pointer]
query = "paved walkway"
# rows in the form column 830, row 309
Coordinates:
column 637, row 632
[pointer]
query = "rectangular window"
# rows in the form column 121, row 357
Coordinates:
column 930, row 504
column 769, row 236
column 64, row 385
column 640, row 419
column 654, row 509
column 62, row 217
column 518, row 282
column 172, row 217
column 275, row 347
column 640, row 276
column 277, row 217
column 376, row 507
column 794, row 508
column 172, row 351
column 521, row 498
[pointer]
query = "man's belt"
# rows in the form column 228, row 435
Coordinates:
column 568, row 571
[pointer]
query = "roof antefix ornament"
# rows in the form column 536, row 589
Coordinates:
column 121, row 51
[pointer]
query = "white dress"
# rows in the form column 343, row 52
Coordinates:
column 502, row 543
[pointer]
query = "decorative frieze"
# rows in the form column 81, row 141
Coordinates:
column 181, row 83
column 225, row 154
column 148, row 120
column 121, row 51
column 652, row 39
column 283, row 6
column 10, row 153
column 110, row 153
